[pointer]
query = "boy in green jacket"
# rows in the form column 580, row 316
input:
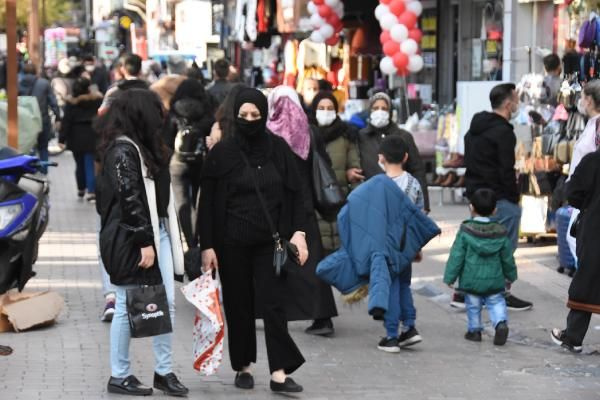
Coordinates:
column 482, row 259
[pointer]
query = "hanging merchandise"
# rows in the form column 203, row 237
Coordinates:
column 400, row 37
column 326, row 17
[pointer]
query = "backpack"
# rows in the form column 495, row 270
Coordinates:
column 587, row 34
column 190, row 143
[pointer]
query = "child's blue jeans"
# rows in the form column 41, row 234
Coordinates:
column 401, row 306
column 495, row 304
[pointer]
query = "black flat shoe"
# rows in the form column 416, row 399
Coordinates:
column 321, row 327
column 289, row 386
column 170, row 385
column 244, row 380
column 130, row 386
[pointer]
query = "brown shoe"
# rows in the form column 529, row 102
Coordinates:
column 439, row 180
column 457, row 161
column 460, row 183
column 450, row 179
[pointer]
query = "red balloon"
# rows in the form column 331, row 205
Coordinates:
column 408, row 19
column 385, row 1
column 319, row 2
column 416, row 35
column 397, row 7
column 390, row 48
column 325, row 11
column 400, row 60
column 385, row 37
column 402, row 72
column 333, row 19
column 338, row 28
column 333, row 40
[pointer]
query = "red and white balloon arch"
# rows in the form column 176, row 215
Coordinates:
column 400, row 37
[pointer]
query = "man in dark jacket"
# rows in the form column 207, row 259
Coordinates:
column 32, row 85
column 130, row 68
column 490, row 160
column 220, row 87
column 380, row 126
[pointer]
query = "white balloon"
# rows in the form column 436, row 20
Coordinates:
column 316, row 21
column 415, row 6
column 409, row 47
column 381, row 10
column 415, row 63
column 317, row 37
column 387, row 66
column 312, row 8
column 388, row 21
column 339, row 9
column 399, row 33
column 327, row 31
column 332, row 3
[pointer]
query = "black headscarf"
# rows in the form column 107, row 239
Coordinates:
column 337, row 128
column 252, row 136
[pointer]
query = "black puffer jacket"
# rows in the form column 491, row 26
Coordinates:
column 490, row 156
column 76, row 128
column 126, row 225
column 188, row 112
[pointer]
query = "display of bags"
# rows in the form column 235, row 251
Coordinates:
column 209, row 329
column 148, row 311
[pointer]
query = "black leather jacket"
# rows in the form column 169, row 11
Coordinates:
column 126, row 225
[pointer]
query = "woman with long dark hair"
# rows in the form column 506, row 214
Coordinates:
column 139, row 238
column 249, row 164
column 225, row 116
column 190, row 114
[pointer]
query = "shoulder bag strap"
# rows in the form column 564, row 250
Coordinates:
column 261, row 199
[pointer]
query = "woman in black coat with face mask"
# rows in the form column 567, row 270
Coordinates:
column 236, row 238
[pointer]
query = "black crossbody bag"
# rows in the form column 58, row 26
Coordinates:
column 284, row 249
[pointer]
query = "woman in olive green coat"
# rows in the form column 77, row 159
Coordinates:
column 341, row 144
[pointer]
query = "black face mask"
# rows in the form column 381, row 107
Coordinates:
column 249, row 128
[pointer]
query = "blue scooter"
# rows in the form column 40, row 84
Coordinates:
column 24, row 210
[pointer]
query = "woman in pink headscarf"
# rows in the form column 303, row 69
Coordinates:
column 312, row 299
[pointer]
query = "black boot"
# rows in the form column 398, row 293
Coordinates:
column 244, row 380
column 129, row 386
column 170, row 385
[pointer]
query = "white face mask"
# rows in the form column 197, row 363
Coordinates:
column 90, row 68
column 380, row 118
column 381, row 166
column 325, row 117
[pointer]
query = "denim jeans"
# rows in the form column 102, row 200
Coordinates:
column 120, row 334
column 509, row 215
column 401, row 306
column 107, row 287
column 495, row 304
column 85, row 172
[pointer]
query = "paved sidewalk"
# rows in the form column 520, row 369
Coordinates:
column 70, row 359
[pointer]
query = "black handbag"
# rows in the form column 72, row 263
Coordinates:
column 328, row 194
column 284, row 249
column 192, row 261
column 148, row 311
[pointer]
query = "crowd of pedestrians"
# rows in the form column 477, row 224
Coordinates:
column 233, row 171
